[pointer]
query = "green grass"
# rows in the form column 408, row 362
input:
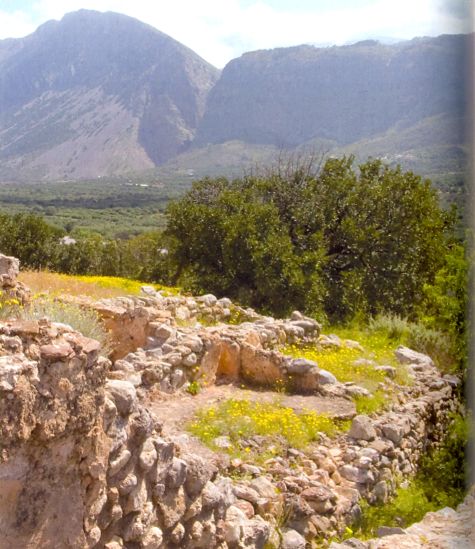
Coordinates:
column 370, row 404
column 378, row 346
column 340, row 362
column 242, row 419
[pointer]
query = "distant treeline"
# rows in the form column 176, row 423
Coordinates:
column 41, row 246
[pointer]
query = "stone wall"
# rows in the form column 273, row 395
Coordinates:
column 246, row 351
column 84, row 463
column 51, row 400
column 78, row 445
column 159, row 494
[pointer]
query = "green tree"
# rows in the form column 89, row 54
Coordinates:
column 445, row 304
column 386, row 242
column 336, row 240
column 29, row 238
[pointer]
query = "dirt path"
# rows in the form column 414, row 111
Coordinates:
column 177, row 409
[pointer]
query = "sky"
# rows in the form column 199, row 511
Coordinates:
column 220, row 30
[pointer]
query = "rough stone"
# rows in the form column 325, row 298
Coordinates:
column 124, row 395
column 152, row 539
column 408, row 356
column 291, row 539
column 177, row 473
column 301, row 366
column 362, row 428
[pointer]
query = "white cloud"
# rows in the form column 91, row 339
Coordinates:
column 15, row 24
column 219, row 30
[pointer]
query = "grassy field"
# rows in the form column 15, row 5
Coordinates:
column 97, row 287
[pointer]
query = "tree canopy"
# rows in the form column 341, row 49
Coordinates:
column 333, row 241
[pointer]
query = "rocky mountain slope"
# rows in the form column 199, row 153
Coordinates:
column 99, row 94
column 289, row 96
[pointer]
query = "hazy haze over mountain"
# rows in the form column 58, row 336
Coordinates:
column 287, row 96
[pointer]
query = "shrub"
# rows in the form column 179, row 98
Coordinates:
column 85, row 321
column 394, row 326
column 416, row 335
column 438, row 345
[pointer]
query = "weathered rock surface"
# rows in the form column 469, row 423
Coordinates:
column 53, row 449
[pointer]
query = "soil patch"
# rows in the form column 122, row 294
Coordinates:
column 176, row 410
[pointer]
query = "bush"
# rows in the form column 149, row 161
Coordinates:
column 85, row 321
column 435, row 343
column 394, row 326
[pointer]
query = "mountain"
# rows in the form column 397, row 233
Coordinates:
column 288, row 96
column 97, row 94
column 102, row 94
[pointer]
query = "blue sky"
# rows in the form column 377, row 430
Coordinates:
column 220, row 30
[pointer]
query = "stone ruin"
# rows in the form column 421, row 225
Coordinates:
column 86, row 463
column 10, row 288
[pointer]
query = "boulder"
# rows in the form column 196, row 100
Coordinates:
column 326, row 378
column 408, row 356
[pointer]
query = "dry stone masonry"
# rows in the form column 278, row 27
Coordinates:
column 444, row 529
column 85, row 462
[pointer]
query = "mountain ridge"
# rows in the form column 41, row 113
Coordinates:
column 102, row 94
column 92, row 70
